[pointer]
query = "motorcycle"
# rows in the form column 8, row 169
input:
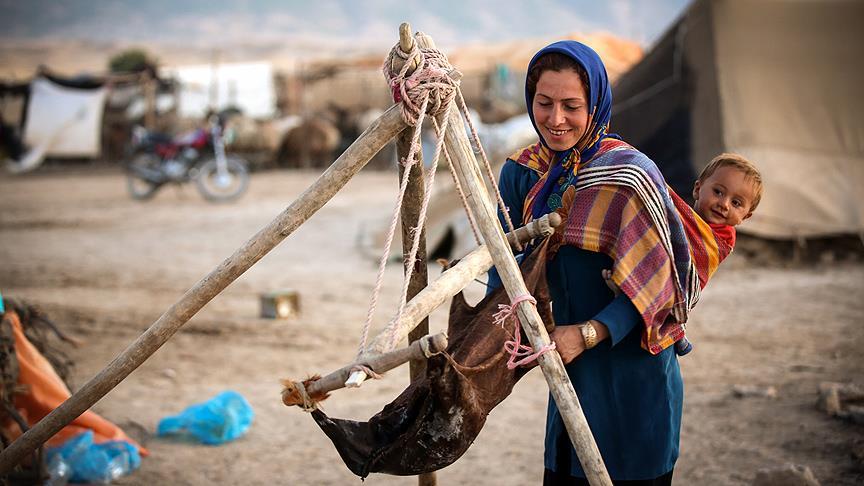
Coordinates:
column 198, row 156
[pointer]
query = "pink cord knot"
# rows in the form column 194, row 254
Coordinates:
column 395, row 88
column 520, row 354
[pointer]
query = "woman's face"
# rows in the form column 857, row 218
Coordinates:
column 560, row 108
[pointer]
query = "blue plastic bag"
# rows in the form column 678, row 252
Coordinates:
column 95, row 463
column 221, row 419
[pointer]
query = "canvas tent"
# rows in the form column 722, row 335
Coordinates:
column 68, row 119
column 58, row 118
column 247, row 86
column 775, row 80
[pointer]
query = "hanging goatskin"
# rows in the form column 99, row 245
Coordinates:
column 434, row 421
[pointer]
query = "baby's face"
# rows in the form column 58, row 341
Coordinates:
column 724, row 198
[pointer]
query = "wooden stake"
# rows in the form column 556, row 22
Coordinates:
column 150, row 87
column 322, row 190
column 413, row 201
column 406, row 43
column 415, row 192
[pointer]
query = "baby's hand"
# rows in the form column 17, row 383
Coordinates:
column 607, row 276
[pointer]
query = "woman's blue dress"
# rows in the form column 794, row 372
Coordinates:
column 632, row 399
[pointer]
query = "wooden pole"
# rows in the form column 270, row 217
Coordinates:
column 452, row 282
column 559, row 383
column 415, row 192
column 150, row 87
column 322, row 190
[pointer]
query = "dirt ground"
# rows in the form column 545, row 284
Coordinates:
column 105, row 267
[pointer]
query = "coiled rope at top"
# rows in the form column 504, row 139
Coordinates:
column 430, row 80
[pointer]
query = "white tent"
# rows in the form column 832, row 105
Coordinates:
column 248, row 86
column 67, row 122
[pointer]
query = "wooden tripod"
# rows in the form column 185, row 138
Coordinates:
column 388, row 126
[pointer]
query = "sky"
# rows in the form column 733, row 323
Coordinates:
column 359, row 24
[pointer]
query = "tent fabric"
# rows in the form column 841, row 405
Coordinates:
column 68, row 121
column 772, row 80
column 78, row 82
column 247, row 86
column 793, row 105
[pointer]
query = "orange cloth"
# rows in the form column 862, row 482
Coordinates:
column 45, row 391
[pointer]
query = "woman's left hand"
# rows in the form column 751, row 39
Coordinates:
column 568, row 341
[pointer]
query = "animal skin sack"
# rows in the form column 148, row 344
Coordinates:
column 434, row 421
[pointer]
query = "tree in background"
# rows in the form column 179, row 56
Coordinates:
column 132, row 61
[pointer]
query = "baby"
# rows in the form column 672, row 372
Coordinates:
column 726, row 193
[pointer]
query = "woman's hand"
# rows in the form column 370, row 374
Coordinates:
column 569, row 341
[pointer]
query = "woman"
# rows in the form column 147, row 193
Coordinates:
column 618, row 215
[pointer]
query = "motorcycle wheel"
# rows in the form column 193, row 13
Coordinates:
column 218, row 187
column 139, row 178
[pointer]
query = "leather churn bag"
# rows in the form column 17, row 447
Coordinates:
column 434, row 421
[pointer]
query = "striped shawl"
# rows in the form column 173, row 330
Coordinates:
column 620, row 205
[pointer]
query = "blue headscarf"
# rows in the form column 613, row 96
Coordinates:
column 600, row 113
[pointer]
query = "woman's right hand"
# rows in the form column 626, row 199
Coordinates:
column 568, row 341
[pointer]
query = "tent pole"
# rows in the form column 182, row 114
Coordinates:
column 322, row 190
column 150, row 88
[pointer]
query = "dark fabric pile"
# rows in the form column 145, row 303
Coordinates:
column 434, row 421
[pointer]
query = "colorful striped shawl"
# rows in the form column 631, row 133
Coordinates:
column 710, row 244
column 620, row 205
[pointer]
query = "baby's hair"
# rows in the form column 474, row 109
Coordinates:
column 740, row 163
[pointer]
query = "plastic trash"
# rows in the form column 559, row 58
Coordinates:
column 221, row 419
column 94, row 463
column 58, row 471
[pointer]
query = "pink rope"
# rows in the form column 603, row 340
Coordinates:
column 382, row 263
column 520, row 354
column 431, row 78
column 428, row 90
column 369, row 371
column 417, row 231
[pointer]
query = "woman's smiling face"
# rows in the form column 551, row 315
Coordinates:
column 560, row 108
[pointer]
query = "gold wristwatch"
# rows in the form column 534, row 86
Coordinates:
column 589, row 334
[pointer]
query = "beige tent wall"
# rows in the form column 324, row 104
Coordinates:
column 706, row 130
column 790, row 78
